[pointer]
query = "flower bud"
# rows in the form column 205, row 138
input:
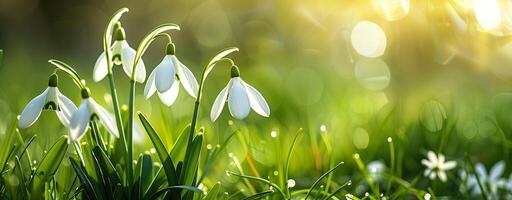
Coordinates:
column 170, row 49
column 86, row 93
column 235, row 72
column 119, row 32
column 53, row 80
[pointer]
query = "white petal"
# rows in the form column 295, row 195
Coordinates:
column 187, row 79
column 150, row 87
column 127, row 56
column 108, row 121
column 442, row 175
column 441, row 158
column 238, row 101
column 219, row 102
column 80, row 121
column 67, row 108
column 480, row 170
column 100, row 68
column 32, row 111
column 497, row 170
column 169, row 97
column 428, row 164
column 448, row 165
column 432, row 157
column 427, row 172
column 165, row 74
column 257, row 102
column 432, row 175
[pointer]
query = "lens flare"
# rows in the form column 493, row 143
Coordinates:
column 372, row 74
column 393, row 9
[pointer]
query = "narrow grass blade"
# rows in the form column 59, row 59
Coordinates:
column 176, row 187
column 259, row 195
column 320, row 179
column 21, row 176
column 213, row 157
column 145, row 171
column 288, row 158
column 88, row 187
column 336, row 191
column 265, row 181
column 162, row 152
column 49, row 165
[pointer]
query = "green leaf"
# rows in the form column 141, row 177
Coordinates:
column 21, row 176
column 179, row 147
column 213, row 193
column 89, row 188
column 223, row 53
column 109, row 174
column 189, row 170
column 146, row 41
column 288, row 158
column 144, row 169
column 49, row 165
column 162, row 152
column 179, row 187
column 262, row 180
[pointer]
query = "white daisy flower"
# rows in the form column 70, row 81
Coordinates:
column 491, row 181
column 50, row 99
column 167, row 76
column 436, row 166
column 90, row 110
column 122, row 54
column 241, row 97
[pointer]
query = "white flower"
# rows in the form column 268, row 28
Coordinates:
column 436, row 166
column 491, row 181
column 50, row 99
column 122, row 54
column 90, row 110
column 241, row 97
column 166, row 78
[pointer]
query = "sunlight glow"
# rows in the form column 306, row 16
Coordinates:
column 368, row 39
column 393, row 9
column 487, row 13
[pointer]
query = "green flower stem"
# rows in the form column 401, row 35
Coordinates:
column 129, row 131
column 219, row 57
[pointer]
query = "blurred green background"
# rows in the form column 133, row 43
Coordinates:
column 299, row 56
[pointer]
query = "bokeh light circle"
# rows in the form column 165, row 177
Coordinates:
column 368, row 39
column 372, row 73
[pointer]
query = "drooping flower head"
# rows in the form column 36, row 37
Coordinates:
column 90, row 110
column 437, row 165
column 241, row 97
column 122, row 54
column 167, row 76
column 50, row 99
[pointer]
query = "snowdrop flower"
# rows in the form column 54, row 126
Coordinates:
column 122, row 54
column 241, row 97
column 90, row 110
column 436, row 166
column 491, row 181
column 167, row 76
column 50, row 99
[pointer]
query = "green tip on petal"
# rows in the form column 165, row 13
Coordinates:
column 119, row 32
column 86, row 93
column 170, row 49
column 235, row 72
column 53, row 80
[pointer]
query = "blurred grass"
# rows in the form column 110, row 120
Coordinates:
column 297, row 54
